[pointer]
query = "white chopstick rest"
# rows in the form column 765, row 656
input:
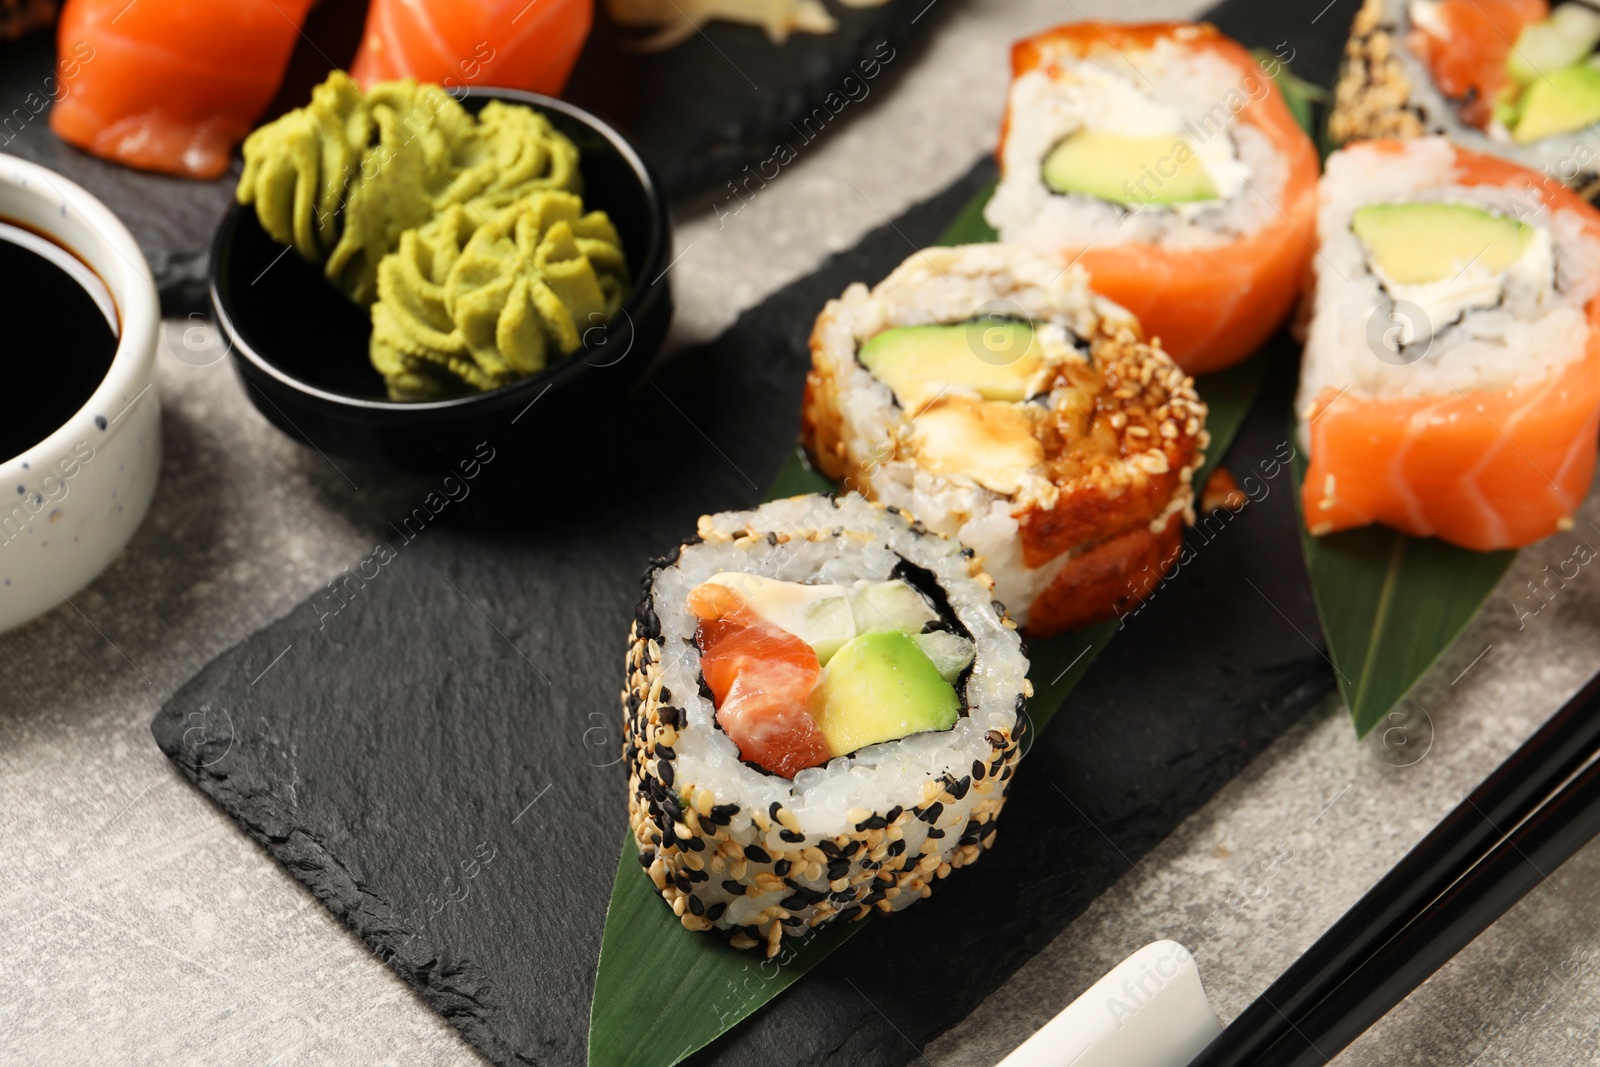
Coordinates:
column 1150, row 1011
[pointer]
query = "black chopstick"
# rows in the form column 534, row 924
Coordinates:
column 1513, row 791
column 1465, row 910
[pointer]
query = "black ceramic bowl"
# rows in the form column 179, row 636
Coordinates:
column 300, row 347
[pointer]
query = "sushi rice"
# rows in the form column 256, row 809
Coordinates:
column 758, row 856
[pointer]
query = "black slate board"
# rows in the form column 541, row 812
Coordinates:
column 700, row 112
column 432, row 752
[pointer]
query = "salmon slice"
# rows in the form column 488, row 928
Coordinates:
column 1210, row 307
column 513, row 44
column 1468, row 63
column 171, row 85
column 761, row 678
column 1484, row 469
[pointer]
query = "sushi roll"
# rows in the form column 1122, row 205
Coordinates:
column 989, row 392
column 1164, row 160
column 1513, row 78
column 1451, row 382
column 821, row 717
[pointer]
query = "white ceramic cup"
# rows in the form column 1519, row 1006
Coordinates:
column 70, row 503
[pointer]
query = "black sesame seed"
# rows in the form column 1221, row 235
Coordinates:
column 664, row 772
column 911, row 861
column 850, row 850
column 722, row 814
column 665, row 751
column 791, row 836
column 100, row 421
column 896, row 847
column 978, row 770
column 876, row 822
column 773, row 809
column 960, row 789
column 932, row 812
column 968, row 553
column 781, row 868
column 695, row 905
column 848, row 913
column 682, row 882
column 756, row 854
column 894, row 813
column 696, row 844
column 794, row 902
column 697, row 876
column 670, row 806
column 666, row 695
column 715, row 911
column 647, row 857
column 669, row 715
column 733, row 887
column 870, row 865
column 936, row 833
column 838, row 869
column 829, row 849
column 995, row 738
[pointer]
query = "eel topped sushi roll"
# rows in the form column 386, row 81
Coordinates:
column 1451, row 383
column 1163, row 159
column 1514, row 78
column 821, row 717
column 989, row 392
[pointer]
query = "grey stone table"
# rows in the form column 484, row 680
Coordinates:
column 143, row 927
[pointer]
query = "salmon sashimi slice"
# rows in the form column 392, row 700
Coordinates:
column 172, row 85
column 514, row 44
column 1210, row 307
column 761, row 678
column 1484, row 469
column 1465, row 45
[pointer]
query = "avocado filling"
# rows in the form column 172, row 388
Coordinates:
column 1554, row 77
column 1138, row 152
column 1449, row 259
column 800, row 674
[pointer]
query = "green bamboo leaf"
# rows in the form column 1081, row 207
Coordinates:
column 663, row 992
column 1390, row 606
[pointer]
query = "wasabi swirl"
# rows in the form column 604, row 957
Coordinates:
column 472, row 301
column 344, row 177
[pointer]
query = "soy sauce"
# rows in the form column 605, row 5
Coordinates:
column 60, row 332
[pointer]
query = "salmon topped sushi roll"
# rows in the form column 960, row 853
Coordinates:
column 1451, row 383
column 1515, row 78
column 987, row 391
column 1163, row 159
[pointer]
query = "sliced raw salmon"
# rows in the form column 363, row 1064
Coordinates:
column 761, row 678
column 513, row 44
column 171, row 85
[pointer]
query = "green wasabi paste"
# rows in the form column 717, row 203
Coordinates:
column 470, row 302
column 466, row 235
column 342, row 178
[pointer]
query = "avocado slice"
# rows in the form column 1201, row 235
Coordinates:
column 995, row 359
column 1418, row 243
column 891, row 605
column 820, row 615
column 1562, row 101
column 1128, row 170
column 1567, row 36
column 881, row 687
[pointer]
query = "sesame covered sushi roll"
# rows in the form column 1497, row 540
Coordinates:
column 821, row 717
column 1164, row 160
column 1513, row 78
column 1451, row 383
column 986, row 390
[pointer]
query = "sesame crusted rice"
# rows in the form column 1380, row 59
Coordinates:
column 758, row 857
